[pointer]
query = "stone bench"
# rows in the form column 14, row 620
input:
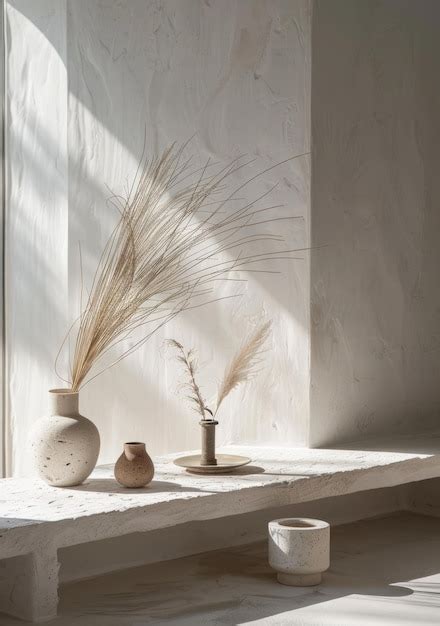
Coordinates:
column 37, row 520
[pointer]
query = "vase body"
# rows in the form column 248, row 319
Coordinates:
column 65, row 444
column 134, row 468
column 208, row 442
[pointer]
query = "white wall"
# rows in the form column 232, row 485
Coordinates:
column 2, row 225
column 36, row 212
column 85, row 78
column 375, row 299
column 93, row 75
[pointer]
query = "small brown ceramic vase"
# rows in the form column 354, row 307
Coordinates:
column 134, row 468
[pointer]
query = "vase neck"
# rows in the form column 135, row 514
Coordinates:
column 133, row 449
column 64, row 402
column 208, row 442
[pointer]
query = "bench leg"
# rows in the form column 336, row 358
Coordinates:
column 29, row 586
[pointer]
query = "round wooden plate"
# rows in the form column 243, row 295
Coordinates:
column 225, row 463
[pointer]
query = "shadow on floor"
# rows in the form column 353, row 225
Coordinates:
column 372, row 580
column 384, row 572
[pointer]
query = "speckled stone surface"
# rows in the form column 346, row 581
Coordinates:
column 384, row 572
column 36, row 519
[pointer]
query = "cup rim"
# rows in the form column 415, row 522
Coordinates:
column 299, row 523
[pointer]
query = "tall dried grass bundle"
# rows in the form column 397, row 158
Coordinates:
column 166, row 254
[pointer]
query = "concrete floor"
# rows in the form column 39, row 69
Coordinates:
column 383, row 572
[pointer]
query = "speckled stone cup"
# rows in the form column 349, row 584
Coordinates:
column 299, row 550
column 134, row 468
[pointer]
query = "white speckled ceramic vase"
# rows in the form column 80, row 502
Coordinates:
column 65, row 444
column 299, row 550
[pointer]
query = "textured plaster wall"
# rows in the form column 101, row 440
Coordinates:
column 85, row 79
column 89, row 79
column 375, row 297
column 36, row 212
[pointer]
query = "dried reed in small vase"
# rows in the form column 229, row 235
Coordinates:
column 242, row 368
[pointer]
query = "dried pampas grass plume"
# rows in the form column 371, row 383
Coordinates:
column 242, row 368
column 244, row 365
column 189, row 362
